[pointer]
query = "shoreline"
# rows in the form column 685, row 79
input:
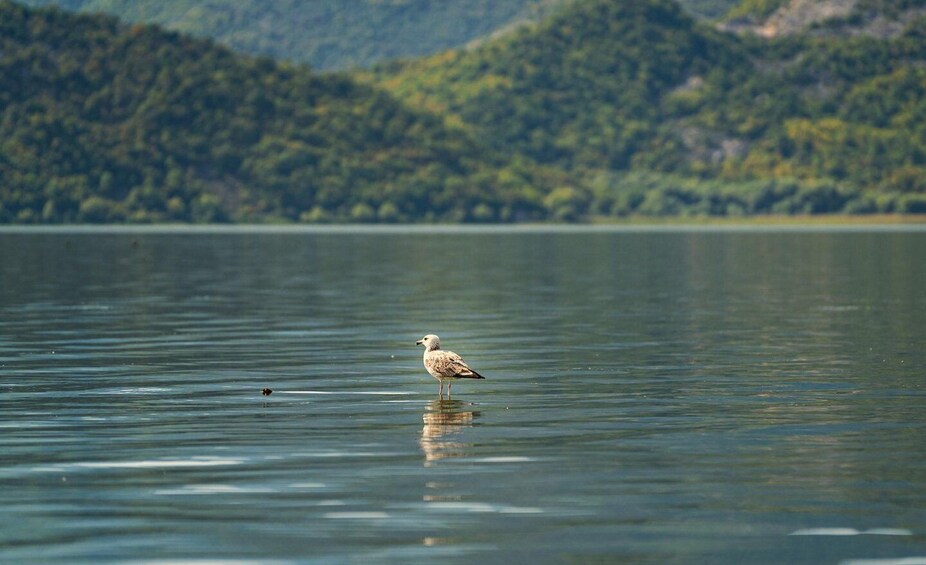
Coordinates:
column 914, row 222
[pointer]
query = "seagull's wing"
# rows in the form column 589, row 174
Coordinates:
column 455, row 366
column 439, row 363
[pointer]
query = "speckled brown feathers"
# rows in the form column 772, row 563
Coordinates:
column 448, row 365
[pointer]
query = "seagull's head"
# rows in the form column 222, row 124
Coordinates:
column 430, row 342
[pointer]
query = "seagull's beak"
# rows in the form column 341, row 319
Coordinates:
column 419, row 342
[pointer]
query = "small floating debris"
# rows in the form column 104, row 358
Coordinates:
column 266, row 392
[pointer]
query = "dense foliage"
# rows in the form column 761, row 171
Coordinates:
column 710, row 9
column 580, row 90
column 325, row 34
column 608, row 108
column 756, row 9
column 100, row 122
column 611, row 88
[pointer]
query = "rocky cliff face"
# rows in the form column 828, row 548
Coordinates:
column 798, row 15
column 840, row 17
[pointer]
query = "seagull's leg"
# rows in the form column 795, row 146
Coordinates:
column 441, row 391
column 449, row 389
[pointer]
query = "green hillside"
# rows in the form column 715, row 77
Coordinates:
column 652, row 112
column 582, row 89
column 101, row 122
column 326, row 35
column 607, row 108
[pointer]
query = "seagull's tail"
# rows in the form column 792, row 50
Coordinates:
column 472, row 375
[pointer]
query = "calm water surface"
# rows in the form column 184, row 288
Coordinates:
column 652, row 396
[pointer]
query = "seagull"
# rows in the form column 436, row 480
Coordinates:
column 444, row 365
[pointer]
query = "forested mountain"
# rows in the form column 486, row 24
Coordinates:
column 652, row 112
column 104, row 122
column 582, row 89
column 327, row 35
column 606, row 108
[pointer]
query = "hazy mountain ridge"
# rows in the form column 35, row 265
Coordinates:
column 326, row 35
column 347, row 33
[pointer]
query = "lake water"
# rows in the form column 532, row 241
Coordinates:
column 651, row 396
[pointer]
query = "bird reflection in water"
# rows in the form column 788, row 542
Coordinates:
column 444, row 421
